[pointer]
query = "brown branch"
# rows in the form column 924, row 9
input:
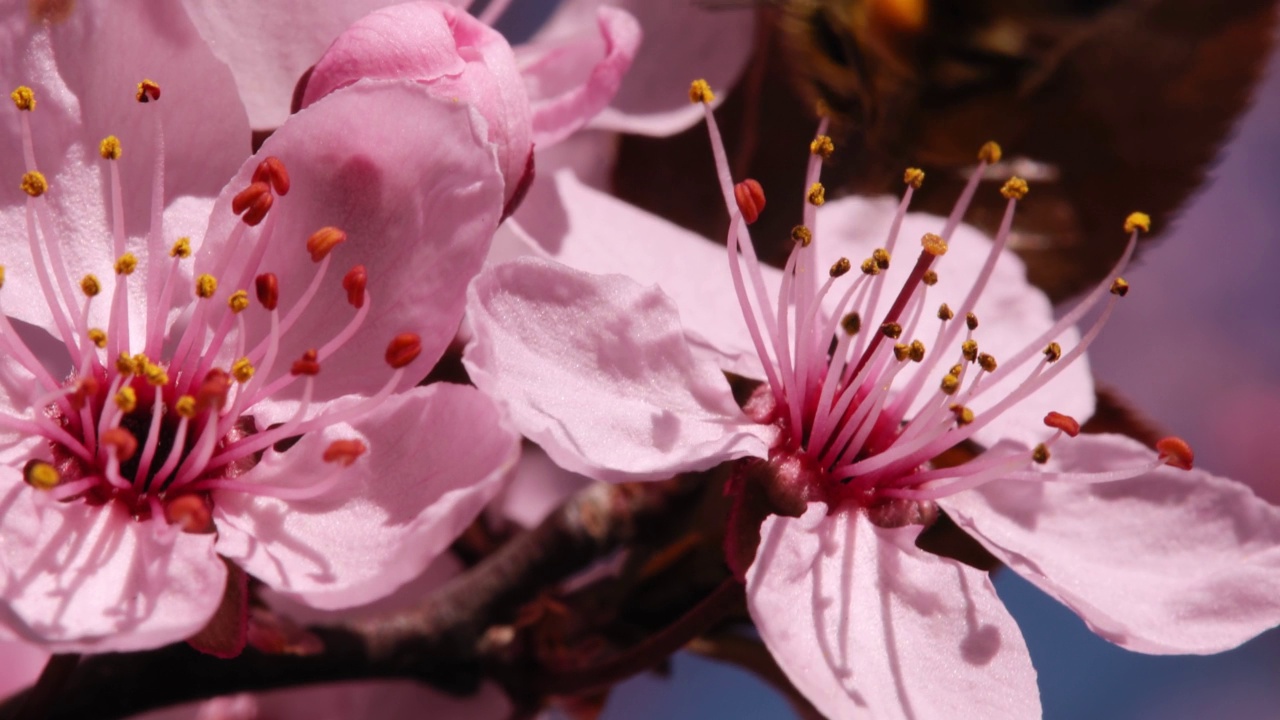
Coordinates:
column 435, row 642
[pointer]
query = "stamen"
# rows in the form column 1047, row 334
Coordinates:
column 323, row 241
column 945, row 312
column 913, row 177
column 822, row 146
column 34, row 183
column 1040, row 455
column 354, row 283
column 190, row 513
column 344, row 452
column 41, row 475
column 971, row 321
column 817, row 194
column 1120, row 287
column 801, row 235
column 1052, row 352
column 1065, row 423
column 267, row 287
column 700, row 92
column 840, row 267
column 1175, row 452
column 307, row 365
column 242, row 370
column 109, row 148
column 272, row 171
column 252, row 203
column 751, row 200
column 126, row 399
column 148, row 91
column 123, row 441
column 403, row 349
column 23, row 98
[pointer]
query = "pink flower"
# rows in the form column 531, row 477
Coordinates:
column 868, row 381
column 231, row 403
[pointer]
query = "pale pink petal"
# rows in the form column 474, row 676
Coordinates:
column 382, row 699
column 590, row 230
column 537, row 488
column 1169, row 562
column 269, row 45
column 418, row 216
column 76, row 578
column 456, row 56
column 573, row 78
column 1011, row 311
column 436, row 455
column 683, row 40
column 866, row 626
column 597, row 371
column 22, row 665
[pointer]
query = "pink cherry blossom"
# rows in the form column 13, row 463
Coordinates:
column 868, row 380
column 229, row 403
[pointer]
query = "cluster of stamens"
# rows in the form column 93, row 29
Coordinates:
column 846, row 432
column 154, row 422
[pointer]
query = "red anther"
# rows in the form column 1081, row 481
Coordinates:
column 87, row 388
column 323, row 241
column 123, row 441
column 1065, row 423
column 750, row 197
column 1176, row 452
column 353, row 282
column 308, row 365
column 344, row 452
column 404, row 349
column 272, row 171
column 148, row 90
column 213, row 391
column 190, row 513
column 268, row 289
column 258, row 210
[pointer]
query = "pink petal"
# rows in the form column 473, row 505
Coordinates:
column 866, row 626
column 91, row 579
column 574, row 78
column 457, row 57
column 436, row 455
column 1011, row 311
column 22, row 665
column 419, row 216
column 269, row 45
column 1170, row 562
column 683, row 40
column 537, row 488
column 590, row 230
column 596, row 370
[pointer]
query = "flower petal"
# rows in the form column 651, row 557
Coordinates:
column 92, row 579
column 1170, row 562
column 596, row 370
column 681, row 37
column 436, row 455
column 563, row 99
column 419, row 216
column 866, row 626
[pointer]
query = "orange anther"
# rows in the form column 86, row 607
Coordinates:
column 1065, row 423
column 750, row 197
column 190, row 513
column 213, row 391
column 344, row 452
column 272, row 171
column 403, row 349
column 323, row 241
column 123, row 441
column 253, row 203
column 86, row 389
column 1176, row 452
column 354, row 283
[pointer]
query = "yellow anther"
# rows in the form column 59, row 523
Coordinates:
column 185, row 406
column 181, row 248
column 156, row 375
column 929, row 278
column 148, row 90
column 1137, row 221
column 90, row 286
column 24, row 98
column 851, row 323
column 840, row 267
column 127, row 263
column 41, row 475
column 124, row 364
column 990, row 152
column 822, row 146
column 901, row 352
column 913, row 177
column 242, row 370
column 869, row 267
column 969, row 348
column 987, row 362
column 206, row 286
column 1041, row 454
column 1, row 276
column 802, row 235
column 934, row 244
column 1015, row 188
column 817, row 194
column 34, row 184
column 964, row 415
column 126, row 399
column 950, row 383
column 238, row 301
column 881, row 256
column 700, row 92
column 109, row 148
column 1052, row 352
column 139, row 363
column 98, row 337
column 916, row 351
column 1120, row 287
column 956, row 369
